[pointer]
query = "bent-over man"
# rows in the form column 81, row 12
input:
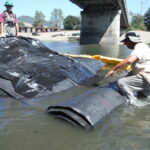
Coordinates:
column 138, row 79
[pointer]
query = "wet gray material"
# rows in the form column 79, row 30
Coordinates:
column 89, row 108
column 28, row 69
column 32, row 69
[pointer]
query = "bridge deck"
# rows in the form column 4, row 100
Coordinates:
column 105, row 5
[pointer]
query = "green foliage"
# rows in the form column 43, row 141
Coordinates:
column 137, row 22
column 21, row 24
column 71, row 22
column 39, row 19
column 147, row 19
column 56, row 19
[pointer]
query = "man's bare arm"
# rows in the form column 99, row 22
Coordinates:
column 129, row 60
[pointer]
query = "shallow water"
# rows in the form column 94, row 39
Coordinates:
column 111, row 50
column 26, row 126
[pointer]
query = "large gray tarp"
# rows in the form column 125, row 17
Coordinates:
column 89, row 108
column 29, row 69
column 33, row 69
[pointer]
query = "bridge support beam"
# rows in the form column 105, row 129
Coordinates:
column 100, row 26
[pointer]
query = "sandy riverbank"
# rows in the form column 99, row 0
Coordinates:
column 65, row 35
column 52, row 36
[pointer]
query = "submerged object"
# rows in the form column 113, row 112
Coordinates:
column 29, row 69
column 90, row 108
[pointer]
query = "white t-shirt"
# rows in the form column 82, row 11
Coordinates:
column 142, row 52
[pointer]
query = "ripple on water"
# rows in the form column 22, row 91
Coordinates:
column 28, row 128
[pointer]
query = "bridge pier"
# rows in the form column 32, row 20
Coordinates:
column 100, row 26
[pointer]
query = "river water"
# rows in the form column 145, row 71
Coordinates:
column 26, row 126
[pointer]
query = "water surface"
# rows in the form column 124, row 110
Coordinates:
column 26, row 126
column 110, row 50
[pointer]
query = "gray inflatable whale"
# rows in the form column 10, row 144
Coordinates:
column 29, row 69
column 89, row 108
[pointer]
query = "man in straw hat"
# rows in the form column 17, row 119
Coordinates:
column 138, row 79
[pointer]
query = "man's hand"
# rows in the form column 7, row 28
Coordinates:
column 109, row 74
column 129, row 60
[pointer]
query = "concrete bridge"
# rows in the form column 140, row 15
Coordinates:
column 103, row 21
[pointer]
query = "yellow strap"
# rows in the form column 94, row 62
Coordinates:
column 107, row 60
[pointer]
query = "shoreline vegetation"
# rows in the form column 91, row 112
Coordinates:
column 72, row 35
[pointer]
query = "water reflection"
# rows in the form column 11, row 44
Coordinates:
column 28, row 127
column 110, row 50
column 63, row 47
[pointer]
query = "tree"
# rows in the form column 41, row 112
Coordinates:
column 137, row 22
column 39, row 19
column 147, row 19
column 56, row 19
column 71, row 22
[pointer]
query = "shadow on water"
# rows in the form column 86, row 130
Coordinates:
column 28, row 127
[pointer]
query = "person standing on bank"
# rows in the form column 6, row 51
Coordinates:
column 8, row 20
column 138, row 80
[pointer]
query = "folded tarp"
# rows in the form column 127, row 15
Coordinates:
column 89, row 108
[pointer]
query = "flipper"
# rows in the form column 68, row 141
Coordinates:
column 89, row 108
